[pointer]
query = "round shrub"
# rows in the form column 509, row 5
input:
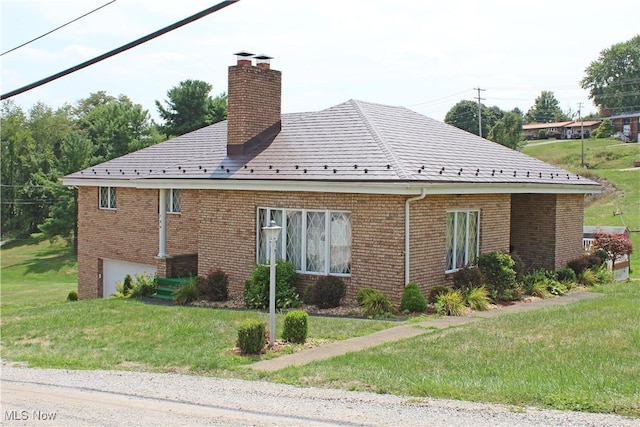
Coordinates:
column 499, row 275
column 307, row 295
column 412, row 299
column 328, row 291
column 295, row 326
column 467, row 278
column 566, row 274
column 251, row 338
column 215, row 285
column 436, row 291
column 72, row 296
column 256, row 288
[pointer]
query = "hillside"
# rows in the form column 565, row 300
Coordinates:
column 611, row 163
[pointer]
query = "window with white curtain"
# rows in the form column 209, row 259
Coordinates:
column 315, row 241
column 107, row 197
column 174, row 201
column 462, row 231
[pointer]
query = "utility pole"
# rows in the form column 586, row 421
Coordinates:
column 581, row 133
column 479, row 110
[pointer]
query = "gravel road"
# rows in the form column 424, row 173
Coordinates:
column 47, row 397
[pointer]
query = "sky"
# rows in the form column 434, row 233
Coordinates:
column 424, row 55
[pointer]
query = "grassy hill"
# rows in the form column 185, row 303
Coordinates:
column 610, row 162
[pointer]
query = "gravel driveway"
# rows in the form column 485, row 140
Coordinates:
column 122, row 398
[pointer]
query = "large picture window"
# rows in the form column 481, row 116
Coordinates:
column 315, row 241
column 107, row 197
column 461, row 238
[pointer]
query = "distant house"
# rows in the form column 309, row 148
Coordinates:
column 377, row 195
column 560, row 130
column 627, row 125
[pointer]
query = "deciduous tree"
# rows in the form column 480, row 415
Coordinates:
column 546, row 109
column 613, row 80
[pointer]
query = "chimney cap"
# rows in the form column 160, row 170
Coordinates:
column 243, row 54
column 263, row 57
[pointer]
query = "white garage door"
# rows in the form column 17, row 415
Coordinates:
column 115, row 271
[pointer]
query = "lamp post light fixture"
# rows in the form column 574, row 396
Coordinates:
column 272, row 232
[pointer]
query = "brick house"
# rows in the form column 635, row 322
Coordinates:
column 378, row 195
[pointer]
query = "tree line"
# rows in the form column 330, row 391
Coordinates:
column 613, row 83
column 41, row 145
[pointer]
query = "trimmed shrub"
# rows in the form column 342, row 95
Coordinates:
column 450, row 303
column 565, row 275
column 256, row 288
column 251, row 338
column 436, row 291
column 307, row 295
column 296, row 325
column 72, row 296
column 584, row 262
column 412, row 299
column 477, row 298
column 376, row 304
column 187, row 292
column 127, row 285
column 499, row 275
column 328, row 291
column 215, row 285
column 467, row 278
column 363, row 293
column 144, row 286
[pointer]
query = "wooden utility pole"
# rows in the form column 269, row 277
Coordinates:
column 479, row 110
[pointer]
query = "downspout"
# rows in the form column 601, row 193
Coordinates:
column 162, row 224
column 407, row 232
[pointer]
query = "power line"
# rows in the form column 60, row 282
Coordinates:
column 120, row 49
column 56, row 29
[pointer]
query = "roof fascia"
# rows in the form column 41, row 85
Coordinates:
column 399, row 188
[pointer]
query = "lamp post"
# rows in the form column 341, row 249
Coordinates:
column 272, row 232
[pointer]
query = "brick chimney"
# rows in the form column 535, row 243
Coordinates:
column 253, row 103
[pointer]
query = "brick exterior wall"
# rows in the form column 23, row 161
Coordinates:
column 129, row 233
column 546, row 229
column 219, row 227
column 253, row 102
column 428, row 225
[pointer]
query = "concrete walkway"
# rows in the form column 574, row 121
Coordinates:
column 397, row 333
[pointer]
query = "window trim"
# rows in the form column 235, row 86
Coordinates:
column 112, row 199
column 170, row 198
column 466, row 239
column 282, row 249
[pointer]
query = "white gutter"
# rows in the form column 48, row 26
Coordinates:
column 407, row 232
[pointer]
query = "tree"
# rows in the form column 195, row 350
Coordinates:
column 546, row 109
column 464, row 115
column 614, row 78
column 604, row 130
column 615, row 244
column 508, row 131
column 190, row 107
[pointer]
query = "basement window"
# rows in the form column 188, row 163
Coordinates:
column 315, row 241
column 462, row 239
column 174, row 201
column 107, row 197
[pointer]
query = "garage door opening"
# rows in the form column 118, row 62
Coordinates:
column 115, row 271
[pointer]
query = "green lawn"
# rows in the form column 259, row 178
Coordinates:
column 581, row 357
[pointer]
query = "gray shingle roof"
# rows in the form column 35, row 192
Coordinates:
column 352, row 141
